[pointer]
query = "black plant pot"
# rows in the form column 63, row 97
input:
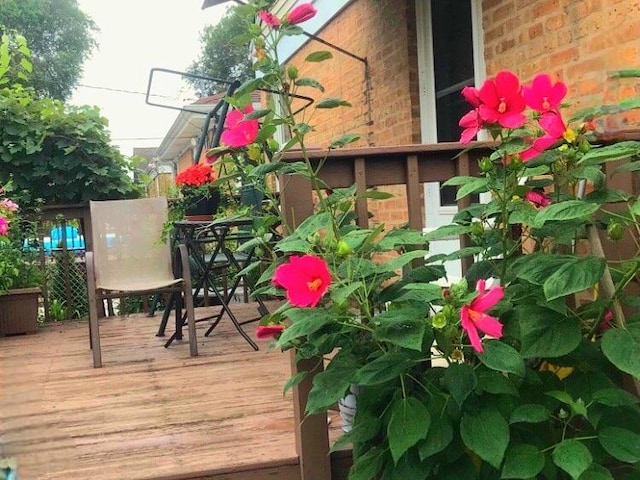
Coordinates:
column 202, row 205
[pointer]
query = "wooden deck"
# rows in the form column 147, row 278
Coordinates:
column 150, row 412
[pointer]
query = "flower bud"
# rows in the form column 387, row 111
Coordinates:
column 343, row 249
column 584, row 147
column 615, row 230
column 273, row 145
column 439, row 320
column 292, row 72
column 485, row 164
column 477, row 228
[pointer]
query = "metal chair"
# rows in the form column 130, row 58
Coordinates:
column 128, row 257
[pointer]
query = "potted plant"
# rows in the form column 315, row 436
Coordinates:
column 528, row 367
column 20, row 276
column 200, row 196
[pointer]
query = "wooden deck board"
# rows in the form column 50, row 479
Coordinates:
column 150, row 412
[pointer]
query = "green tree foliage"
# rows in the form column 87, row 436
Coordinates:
column 60, row 36
column 57, row 153
column 223, row 54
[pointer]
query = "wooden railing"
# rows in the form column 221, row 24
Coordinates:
column 409, row 165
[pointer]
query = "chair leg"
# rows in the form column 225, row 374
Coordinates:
column 94, row 332
column 188, row 301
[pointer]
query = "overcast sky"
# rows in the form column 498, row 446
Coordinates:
column 135, row 36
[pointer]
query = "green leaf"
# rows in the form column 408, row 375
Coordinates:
column 486, row 433
column 621, row 347
column 403, row 327
column 367, row 466
column 615, row 397
column 610, row 153
column 573, row 277
column 620, row 443
column 445, row 231
column 309, row 82
column 459, row 180
column 477, row 185
column 362, row 431
column 562, row 211
column 536, row 268
column 330, row 385
column 522, row 461
column 501, row 357
column 409, row 423
column 596, row 472
column 529, row 413
column 332, row 103
column 438, row 438
column 546, row 333
column 319, row 56
column 344, row 140
column 293, row 381
column 572, row 457
column 340, row 294
column 383, row 369
column 460, row 380
column 304, row 322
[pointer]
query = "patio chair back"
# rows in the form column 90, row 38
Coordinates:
column 129, row 257
column 127, row 247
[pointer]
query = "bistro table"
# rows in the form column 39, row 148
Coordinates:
column 212, row 250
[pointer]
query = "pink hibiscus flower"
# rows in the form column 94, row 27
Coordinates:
column 301, row 13
column 474, row 316
column 501, row 101
column 268, row 331
column 306, row 279
column 269, row 19
column 4, row 226
column 239, row 132
column 554, row 128
column 472, row 123
column 471, row 95
column 543, row 95
column 538, row 199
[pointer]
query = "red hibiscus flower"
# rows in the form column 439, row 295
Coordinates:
column 501, row 101
column 239, row 132
column 472, row 123
column 4, row 226
column 268, row 331
column 269, row 19
column 538, row 199
column 554, row 129
column 543, row 95
column 474, row 316
column 301, row 13
column 305, row 278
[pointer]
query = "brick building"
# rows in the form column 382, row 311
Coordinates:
column 421, row 53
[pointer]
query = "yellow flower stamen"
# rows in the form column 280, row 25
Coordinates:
column 314, row 285
column 502, row 106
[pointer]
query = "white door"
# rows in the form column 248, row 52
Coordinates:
column 450, row 57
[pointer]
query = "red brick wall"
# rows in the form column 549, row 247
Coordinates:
column 383, row 31
column 578, row 41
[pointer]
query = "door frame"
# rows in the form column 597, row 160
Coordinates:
column 428, row 126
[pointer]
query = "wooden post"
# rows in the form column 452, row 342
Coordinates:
column 360, row 175
column 464, row 168
column 413, row 193
column 312, row 435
